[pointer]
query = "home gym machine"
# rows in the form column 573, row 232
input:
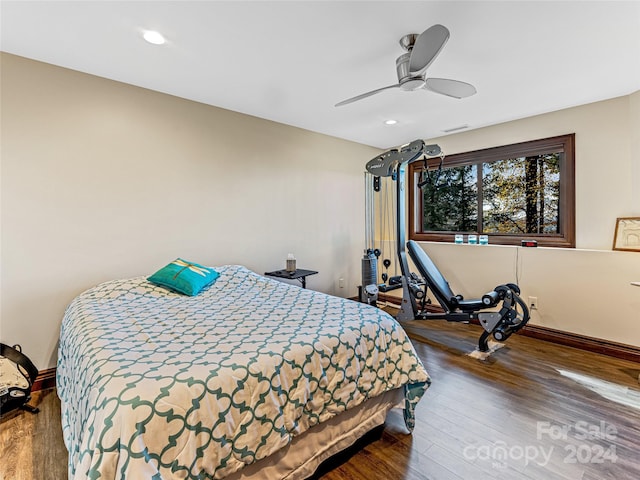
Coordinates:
column 508, row 312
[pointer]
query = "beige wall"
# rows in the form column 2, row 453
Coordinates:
column 584, row 290
column 634, row 131
column 102, row 180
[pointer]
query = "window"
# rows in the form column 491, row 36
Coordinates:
column 510, row 193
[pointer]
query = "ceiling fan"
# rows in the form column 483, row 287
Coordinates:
column 411, row 67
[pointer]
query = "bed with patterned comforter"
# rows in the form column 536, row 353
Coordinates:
column 158, row 385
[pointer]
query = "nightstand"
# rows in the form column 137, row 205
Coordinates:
column 298, row 274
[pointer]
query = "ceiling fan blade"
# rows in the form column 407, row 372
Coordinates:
column 365, row 95
column 450, row 88
column 427, row 47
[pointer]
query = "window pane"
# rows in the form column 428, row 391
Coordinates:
column 521, row 195
column 450, row 200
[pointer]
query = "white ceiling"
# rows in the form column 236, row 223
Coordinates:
column 292, row 61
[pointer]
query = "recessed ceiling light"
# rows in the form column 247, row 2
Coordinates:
column 154, row 37
column 390, row 122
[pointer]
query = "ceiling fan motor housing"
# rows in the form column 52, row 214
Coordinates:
column 406, row 81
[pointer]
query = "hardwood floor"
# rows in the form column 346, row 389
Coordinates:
column 32, row 446
column 533, row 411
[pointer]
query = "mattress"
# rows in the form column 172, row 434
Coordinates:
column 155, row 384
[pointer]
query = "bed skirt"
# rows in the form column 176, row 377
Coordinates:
column 301, row 458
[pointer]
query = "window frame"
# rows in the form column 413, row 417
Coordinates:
column 564, row 239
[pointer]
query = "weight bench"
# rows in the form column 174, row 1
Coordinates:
column 512, row 315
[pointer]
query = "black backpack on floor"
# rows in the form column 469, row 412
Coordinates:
column 17, row 374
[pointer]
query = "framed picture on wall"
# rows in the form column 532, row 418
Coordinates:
column 627, row 234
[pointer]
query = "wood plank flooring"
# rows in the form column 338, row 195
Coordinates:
column 31, row 444
column 533, row 411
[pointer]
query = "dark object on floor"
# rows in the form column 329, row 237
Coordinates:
column 17, row 374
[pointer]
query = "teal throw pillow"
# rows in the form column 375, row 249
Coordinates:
column 184, row 277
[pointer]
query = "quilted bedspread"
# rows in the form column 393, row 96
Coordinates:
column 158, row 385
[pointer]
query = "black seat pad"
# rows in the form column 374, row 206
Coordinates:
column 471, row 305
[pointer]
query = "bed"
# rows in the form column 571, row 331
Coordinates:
column 251, row 378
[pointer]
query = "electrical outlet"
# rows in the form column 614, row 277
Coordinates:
column 341, row 282
column 533, row 303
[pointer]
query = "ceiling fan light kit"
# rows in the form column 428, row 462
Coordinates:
column 411, row 67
